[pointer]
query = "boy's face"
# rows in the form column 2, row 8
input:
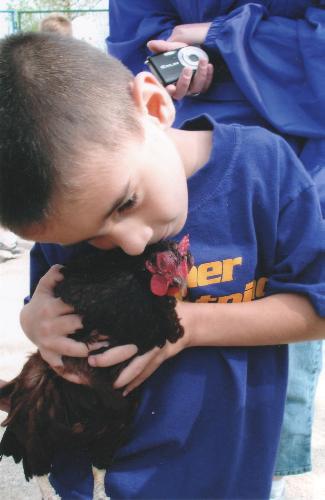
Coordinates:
column 136, row 198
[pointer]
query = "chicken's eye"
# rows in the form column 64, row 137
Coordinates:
column 130, row 203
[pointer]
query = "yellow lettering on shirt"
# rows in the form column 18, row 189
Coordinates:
column 204, row 299
column 249, row 293
column 228, row 268
column 222, row 271
column 234, row 297
column 260, row 288
column 253, row 290
column 192, row 277
column 210, row 273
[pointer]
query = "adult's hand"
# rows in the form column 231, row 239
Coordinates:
column 181, row 37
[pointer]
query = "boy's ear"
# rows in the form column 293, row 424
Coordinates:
column 152, row 99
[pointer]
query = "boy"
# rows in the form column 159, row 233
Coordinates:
column 91, row 155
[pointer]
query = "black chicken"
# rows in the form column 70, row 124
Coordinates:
column 125, row 299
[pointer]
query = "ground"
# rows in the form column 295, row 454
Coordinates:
column 14, row 347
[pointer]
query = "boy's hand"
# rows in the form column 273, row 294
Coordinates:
column 141, row 367
column 47, row 321
column 183, row 35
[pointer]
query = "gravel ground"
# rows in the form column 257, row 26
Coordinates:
column 14, row 347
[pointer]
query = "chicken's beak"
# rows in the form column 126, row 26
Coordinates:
column 178, row 289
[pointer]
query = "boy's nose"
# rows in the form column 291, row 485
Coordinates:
column 134, row 243
column 131, row 242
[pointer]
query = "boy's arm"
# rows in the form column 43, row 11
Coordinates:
column 278, row 319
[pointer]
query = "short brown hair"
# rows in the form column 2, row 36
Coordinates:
column 56, row 23
column 58, row 95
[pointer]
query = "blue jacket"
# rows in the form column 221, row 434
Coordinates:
column 268, row 58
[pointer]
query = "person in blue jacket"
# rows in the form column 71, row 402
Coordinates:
column 106, row 169
column 268, row 59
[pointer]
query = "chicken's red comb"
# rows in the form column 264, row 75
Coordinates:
column 184, row 245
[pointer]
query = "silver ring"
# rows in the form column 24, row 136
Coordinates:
column 195, row 95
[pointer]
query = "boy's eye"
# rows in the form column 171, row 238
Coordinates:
column 130, row 203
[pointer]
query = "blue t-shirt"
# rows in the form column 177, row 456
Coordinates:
column 209, row 420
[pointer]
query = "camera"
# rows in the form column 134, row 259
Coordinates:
column 168, row 66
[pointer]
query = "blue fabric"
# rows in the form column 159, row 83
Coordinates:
column 209, row 420
column 278, row 65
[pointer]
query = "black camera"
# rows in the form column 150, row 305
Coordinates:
column 168, row 66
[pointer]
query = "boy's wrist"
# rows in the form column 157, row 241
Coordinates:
column 187, row 314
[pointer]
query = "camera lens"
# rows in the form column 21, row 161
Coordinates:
column 190, row 56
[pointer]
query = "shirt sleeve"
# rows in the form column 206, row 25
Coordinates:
column 133, row 24
column 38, row 266
column 300, row 252
column 278, row 64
